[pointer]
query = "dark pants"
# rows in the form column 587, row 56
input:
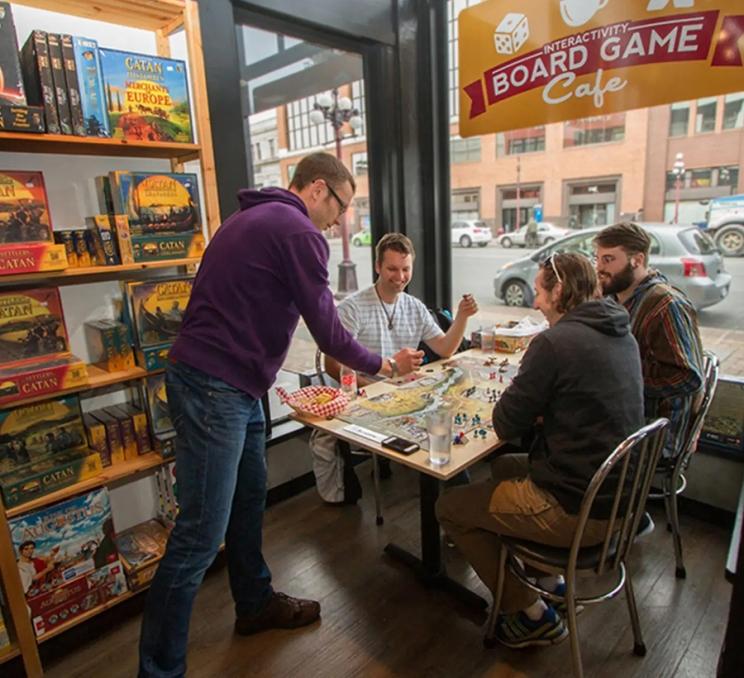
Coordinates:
column 221, row 467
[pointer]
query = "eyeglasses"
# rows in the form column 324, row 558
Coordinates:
column 551, row 262
column 342, row 207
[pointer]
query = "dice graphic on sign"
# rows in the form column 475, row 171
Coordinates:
column 511, row 33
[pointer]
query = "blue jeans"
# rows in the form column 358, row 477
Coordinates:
column 221, row 468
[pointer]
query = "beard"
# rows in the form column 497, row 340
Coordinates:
column 619, row 282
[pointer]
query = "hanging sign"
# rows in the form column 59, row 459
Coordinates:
column 531, row 62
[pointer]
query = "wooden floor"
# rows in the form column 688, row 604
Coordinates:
column 377, row 620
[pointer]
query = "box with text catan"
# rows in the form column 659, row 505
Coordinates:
column 31, row 258
column 48, row 475
column 46, row 378
column 152, row 247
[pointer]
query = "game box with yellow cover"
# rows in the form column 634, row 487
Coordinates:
column 32, row 325
column 24, row 208
column 156, row 309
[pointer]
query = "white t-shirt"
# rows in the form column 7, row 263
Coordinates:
column 362, row 315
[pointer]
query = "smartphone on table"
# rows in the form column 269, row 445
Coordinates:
column 400, row 445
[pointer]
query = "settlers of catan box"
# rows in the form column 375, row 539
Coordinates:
column 32, row 325
column 147, row 96
column 24, row 208
column 157, row 308
column 30, row 432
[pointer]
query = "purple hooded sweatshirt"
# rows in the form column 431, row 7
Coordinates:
column 266, row 266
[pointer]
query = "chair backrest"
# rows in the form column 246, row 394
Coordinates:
column 634, row 461
column 711, row 365
column 319, row 370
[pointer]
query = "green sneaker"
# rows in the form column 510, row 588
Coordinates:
column 518, row 630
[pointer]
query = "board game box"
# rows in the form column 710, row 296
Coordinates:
column 36, row 379
column 90, row 81
column 11, row 79
column 164, row 247
column 22, row 119
column 724, row 424
column 156, row 203
column 69, row 539
column 37, row 78
column 24, row 208
column 157, row 404
column 31, row 432
column 32, row 325
column 147, row 97
column 140, row 548
column 157, row 308
column 32, row 257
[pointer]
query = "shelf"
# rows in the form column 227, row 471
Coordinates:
column 97, row 378
column 72, row 276
column 21, row 142
column 10, row 654
column 147, row 14
column 110, row 474
column 88, row 615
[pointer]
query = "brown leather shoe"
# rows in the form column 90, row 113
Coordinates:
column 281, row 612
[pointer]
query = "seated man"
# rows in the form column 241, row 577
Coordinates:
column 578, row 393
column 664, row 324
column 383, row 318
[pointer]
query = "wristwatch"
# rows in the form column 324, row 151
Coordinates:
column 393, row 366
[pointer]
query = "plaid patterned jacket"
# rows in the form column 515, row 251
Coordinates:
column 664, row 324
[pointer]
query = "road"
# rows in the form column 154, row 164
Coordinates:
column 473, row 271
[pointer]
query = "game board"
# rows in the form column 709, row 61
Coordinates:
column 468, row 386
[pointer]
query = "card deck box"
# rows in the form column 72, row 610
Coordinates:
column 108, row 345
column 31, row 432
column 103, row 237
column 24, row 208
column 96, row 435
column 73, row 86
column 92, row 100
column 113, row 435
column 31, row 380
column 48, row 475
column 141, row 429
column 59, row 83
column 126, row 428
column 37, row 78
column 154, row 357
column 11, row 90
column 22, row 119
column 156, row 308
column 32, row 325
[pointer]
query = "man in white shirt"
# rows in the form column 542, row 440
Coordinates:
column 384, row 319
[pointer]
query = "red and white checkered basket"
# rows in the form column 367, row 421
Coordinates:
column 301, row 400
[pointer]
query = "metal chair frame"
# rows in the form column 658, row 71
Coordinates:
column 644, row 447
column 379, row 519
column 673, row 481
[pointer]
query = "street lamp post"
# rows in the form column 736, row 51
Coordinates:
column 678, row 169
column 338, row 111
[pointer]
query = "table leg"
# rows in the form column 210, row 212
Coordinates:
column 430, row 567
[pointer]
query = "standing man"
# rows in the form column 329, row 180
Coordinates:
column 665, row 325
column 266, row 266
column 385, row 319
column 579, row 392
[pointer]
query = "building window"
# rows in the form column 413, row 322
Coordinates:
column 454, row 7
column 516, row 142
column 272, row 148
column 592, row 204
column 733, row 111
column 358, row 101
column 290, row 173
column 465, row 150
column 599, row 129
column 705, row 177
column 466, row 204
column 359, row 164
column 705, row 119
column 301, row 132
column 679, row 120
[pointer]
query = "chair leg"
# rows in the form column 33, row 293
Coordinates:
column 680, row 571
column 490, row 638
column 573, row 628
column 639, row 648
column 378, row 503
column 667, row 506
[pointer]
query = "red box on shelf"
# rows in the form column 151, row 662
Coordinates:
column 32, row 258
column 32, row 380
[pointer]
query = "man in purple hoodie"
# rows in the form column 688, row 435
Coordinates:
column 266, row 266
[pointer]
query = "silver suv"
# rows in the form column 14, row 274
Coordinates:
column 684, row 254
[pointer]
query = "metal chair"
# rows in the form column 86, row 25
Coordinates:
column 379, row 519
column 671, row 471
column 633, row 461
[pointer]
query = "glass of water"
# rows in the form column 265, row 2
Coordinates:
column 439, row 428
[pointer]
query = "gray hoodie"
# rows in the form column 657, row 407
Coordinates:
column 583, row 377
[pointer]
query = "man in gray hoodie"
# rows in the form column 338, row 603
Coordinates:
column 577, row 395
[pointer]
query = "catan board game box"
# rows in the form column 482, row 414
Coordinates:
column 156, row 203
column 32, row 325
column 24, row 208
column 11, row 79
column 156, row 309
column 32, row 257
column 147, row 97
column 37, row 379
column 156, row 399
column 31, row 432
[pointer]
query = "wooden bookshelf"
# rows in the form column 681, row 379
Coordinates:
column 21, row 142
column 109, row 476
column 14, row 652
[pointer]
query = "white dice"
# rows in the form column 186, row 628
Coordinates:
column 511, row 33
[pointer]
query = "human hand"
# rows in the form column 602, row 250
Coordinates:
column 468, row 306
column 408, row 360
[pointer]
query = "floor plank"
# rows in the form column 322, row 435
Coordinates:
column 378, row 621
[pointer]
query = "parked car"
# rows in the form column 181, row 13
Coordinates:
column 683, row 253
column 360, row 238
column 466, row 232
column 546, row 233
